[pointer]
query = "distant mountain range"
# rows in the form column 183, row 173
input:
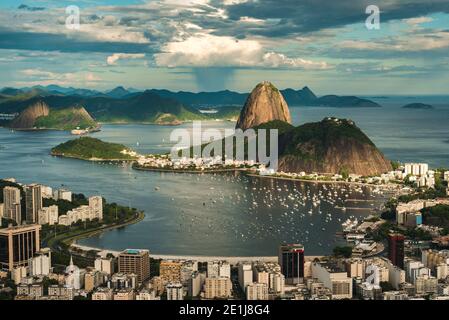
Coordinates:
column 146, row 107
column 301, row 97
column 163, row 107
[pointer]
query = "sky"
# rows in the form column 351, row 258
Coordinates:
column 209, row 45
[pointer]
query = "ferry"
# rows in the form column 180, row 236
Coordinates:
column 79, row 132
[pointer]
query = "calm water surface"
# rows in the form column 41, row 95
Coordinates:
column 226, row 214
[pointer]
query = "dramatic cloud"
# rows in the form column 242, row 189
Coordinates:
column 417, row 43
column 61, row 42
column 294, row 17
column 111, row 60
column 38, row 73
column 276, row 60
column 44, row 77
column 217, row 41
column 205, row 50
column 418, row 21
column 25, row 7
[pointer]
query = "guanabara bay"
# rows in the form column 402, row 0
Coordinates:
column 233, row 156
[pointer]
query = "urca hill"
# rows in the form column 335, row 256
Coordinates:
column 329, row 146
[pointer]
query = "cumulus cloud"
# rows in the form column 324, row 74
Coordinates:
column 28, row 8
column 276, row 60
column 111, row 60
column 296, row 17
column 38, row 73
column 208, row 50
column 419, row 42
column 43, row 77
column 418, row 20
column 205, row 50
column 90, row 77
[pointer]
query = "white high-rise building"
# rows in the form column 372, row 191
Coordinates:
column 396, row 275
column 41, row 263
column 96, row 207
column 48, row 215
column 277, row 283
column 187, row 269
column 2, row 208
column 213, row 269
column 442, row 271
column 175, row 291
column 102, row 294
column 12, row 208
column 63, row 194
column 425, row 284
column 146, row 294
column 334, row 279
column 416, row 169
column 446, row 175
column 225, row 270
column 270, row 274
column 47, row 192
column 105, row 265
column 217, row 288
column 63, row 220
column 257, row 291
column 414, row 269
column 218, row 269
column 245, row 274
column 195, row 284
column 33, row 200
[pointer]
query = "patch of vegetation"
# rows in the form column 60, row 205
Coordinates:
column 390, row 210
column 280, row 125
column 381, row 233
column 154, row 267
column 417, row 234
column 64, row 206
column 88, row 148
column 388, row 215
column 344, row 172
column 344, row 252
column 8, row 290
column 317, row 136
column 386, row 286
column 395, row 165
column 226, row 113
column 66, row 119
column 56, row 237
column 436, row 216
column 226, row 143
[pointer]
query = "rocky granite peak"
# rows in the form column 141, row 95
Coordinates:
column 264, row 104
column 27, row 118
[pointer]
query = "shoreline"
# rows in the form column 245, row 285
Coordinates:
column 71, row 240
column 201, row 258
column 390, row 187
column 189, row 171
column 92, row 130
column 385, row 186
column 58, row 155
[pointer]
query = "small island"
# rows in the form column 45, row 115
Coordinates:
column 421, row 106
column 91, row 149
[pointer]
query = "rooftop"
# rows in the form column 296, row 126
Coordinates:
column 134, row 251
